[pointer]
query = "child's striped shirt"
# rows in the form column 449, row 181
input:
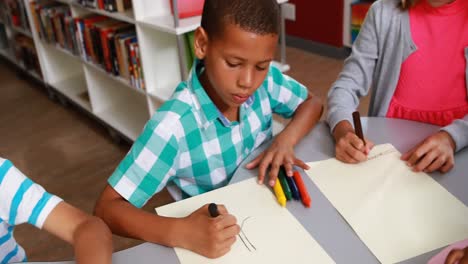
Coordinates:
column 21, row 201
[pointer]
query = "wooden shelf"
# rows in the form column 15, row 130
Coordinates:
column 34, row 75
column 126, row 16
column 64, row 1
column 119, row 79
column 166, row 24
column 74, row 88
column 65, row 51
column 96, row 67
column 5, row 54
column 128, row 118
column 22, row 31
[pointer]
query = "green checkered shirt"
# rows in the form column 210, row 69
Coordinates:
column 190, row 147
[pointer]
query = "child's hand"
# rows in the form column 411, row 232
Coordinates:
column 281, row 152
column 207, row 236
column 434, row 153
column 459, row 256
column 349, row 148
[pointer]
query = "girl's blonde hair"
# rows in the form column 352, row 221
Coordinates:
column 406, row 4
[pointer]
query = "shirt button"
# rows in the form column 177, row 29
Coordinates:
column 246, row 151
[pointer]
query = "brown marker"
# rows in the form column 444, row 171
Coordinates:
column 358, row 127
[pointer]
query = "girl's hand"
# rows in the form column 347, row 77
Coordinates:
column 459, row 256
column 434, row 153
column 281, row 152
column 349, row 148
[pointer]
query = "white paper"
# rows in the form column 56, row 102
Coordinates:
column 396, row 212
column 274, row 232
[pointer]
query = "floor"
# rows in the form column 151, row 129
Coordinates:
column 72, row 155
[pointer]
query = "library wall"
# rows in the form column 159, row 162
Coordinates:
column 318, row 21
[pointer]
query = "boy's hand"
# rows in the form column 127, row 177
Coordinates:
column 349, row 148
column 281, row 152
column 459, row 256
column 434, row 153
column 207, row 236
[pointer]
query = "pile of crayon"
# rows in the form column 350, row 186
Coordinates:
column 288, row 188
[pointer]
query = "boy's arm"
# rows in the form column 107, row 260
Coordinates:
column 305, row 118
column 198, row 232
column 281, row 152
column 89, row 235
column 126, row 220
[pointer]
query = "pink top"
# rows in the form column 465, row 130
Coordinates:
column 432, row 84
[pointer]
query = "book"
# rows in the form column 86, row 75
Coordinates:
column 122, row 54
column 189, row 8
column 123, row 5
column 87, row 38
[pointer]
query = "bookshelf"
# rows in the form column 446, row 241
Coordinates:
column 21, row 30
column 112, row 99
column 9, row 44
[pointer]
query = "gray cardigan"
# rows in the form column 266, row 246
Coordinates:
column 384, row 42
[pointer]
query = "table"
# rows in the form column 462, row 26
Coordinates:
column 322, row 220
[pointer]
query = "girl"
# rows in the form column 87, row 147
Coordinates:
column 414, row 55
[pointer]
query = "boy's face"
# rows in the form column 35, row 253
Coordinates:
column 236, row 64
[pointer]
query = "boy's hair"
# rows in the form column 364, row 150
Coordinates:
column 257, row 16
column 406, row 4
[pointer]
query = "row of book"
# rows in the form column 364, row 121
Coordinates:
column 3, row 38
column 186, row 8
column 100, row 40
column 107, row 5
column 14, row 13
column 25, row 53
column 23, row 49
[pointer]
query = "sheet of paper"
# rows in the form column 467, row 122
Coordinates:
column 396, row 212
column 271, row 233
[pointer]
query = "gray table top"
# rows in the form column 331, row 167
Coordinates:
column 322, row 220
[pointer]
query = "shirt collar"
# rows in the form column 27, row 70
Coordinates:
column 207, row 109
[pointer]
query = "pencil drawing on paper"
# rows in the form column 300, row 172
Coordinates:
column 390, row 151
column 243, row 237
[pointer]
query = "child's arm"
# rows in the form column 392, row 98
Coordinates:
column 198, row 232
column 89, row 235
column 349, row 147
column 281, row 152
column 354, row 82
column 436, row 152
column 459, row 256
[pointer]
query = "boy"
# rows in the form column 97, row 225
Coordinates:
column 196, row 140
column 21, row 200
